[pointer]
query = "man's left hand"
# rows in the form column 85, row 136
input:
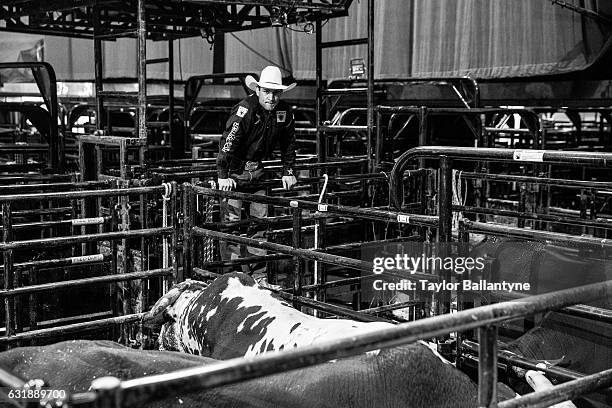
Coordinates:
column 288, row 182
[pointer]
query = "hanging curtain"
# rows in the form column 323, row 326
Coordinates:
column 73, row 58
column 500, row 38
column 250, row 51
column 481, row 38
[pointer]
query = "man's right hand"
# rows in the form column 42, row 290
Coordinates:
column 226, row 184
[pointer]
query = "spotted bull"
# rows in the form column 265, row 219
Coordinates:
column 234, row 317
column 400, row 377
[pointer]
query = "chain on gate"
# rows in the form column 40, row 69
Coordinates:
column 166, row 195
column 208, row 245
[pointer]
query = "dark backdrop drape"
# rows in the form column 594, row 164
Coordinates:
column 482, row 38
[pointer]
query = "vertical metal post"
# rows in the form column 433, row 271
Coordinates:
column 174, row 250
column 114, row 266
column 124, row 266
column 188, row 214
column 487, row 366
column 33, row 299
column 445, row 200
column 422, row 116
column 298, row 262
column 464, row 242
column 98, row 67
column 175, row 153
column 320, row 276
column 142, row 70
column 522, row 202
column 56, row 148
column 9, row 301
column 445, row 224
column 320, row 135
column 123, row 160
column 370, row 83
column 379, row 141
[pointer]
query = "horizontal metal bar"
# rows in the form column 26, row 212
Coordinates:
column 52, row 186
column 135, row 142
column 586, row 311
column 118, row 94
column 329, row 308
column 305, row 253
column 24, row 290
column 49, row 224
column 597, row 223
column 79, row 239
column 538, row 180
column 240, row 369
column 117, row 34
column 505, row 130
column 362, row 213
column 563, row 392
column 274, row 166
column 473, row 226
column 81, row 194
column 509, row 358
column 71, row 328
column 157, row 60
column 465, row 111
column 391, row 307
column 247, row 260
column 10, row 380
column 314, row 255
column 344, row 43
column 342, row 128
column 344, row 91
column 42, row 211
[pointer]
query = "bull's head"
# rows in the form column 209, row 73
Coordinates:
column 163, row 315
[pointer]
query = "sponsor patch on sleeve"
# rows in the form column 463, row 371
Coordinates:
column 281, row 116
column 242, row 111
column 230, row 137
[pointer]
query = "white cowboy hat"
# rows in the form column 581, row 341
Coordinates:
column 270, row 78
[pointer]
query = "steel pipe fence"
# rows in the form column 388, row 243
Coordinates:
column 143, row 390
column 111, row 229
column 296, row 206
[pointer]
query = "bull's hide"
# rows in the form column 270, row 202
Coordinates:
column 234, row 317
column 548, row 268
column 582, row 345
column 403, row 377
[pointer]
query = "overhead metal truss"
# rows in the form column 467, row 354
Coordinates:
column 165, row 19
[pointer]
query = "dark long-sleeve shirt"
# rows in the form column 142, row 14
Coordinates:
column 251, row 134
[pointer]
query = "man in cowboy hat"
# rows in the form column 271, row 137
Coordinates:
column 257, row 124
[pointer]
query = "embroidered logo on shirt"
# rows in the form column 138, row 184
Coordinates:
column 230, row 137
column 242, row 111
column 281, row 116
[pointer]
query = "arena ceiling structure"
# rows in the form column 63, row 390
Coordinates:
column 165, row 19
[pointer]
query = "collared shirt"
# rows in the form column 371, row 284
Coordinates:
column 251, row 134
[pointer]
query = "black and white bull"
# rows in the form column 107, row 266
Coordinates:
column 234, row 317
column 401, row 377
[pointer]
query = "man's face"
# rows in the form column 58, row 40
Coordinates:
column 268, row 98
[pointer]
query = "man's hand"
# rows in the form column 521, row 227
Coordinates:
column 226, row 184
column 288, row 182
